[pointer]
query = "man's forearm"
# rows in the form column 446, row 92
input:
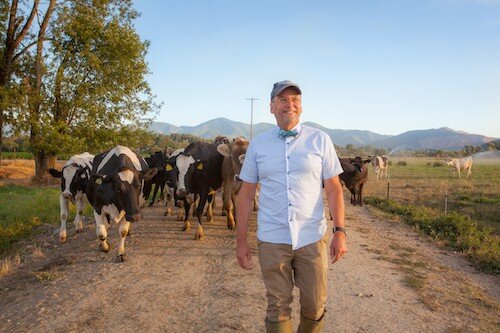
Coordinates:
column 243, row 210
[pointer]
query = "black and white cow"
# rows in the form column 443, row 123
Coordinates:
column 74, row 178
column 158, row 160
column 198, row 172
column 115, row 190
column 171, row 180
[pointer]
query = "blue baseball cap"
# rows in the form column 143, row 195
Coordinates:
column 280, row 86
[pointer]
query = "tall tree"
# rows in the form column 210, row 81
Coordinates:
column 85, row 81
column 14, row 30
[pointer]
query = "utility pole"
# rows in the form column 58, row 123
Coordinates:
column 251, row 114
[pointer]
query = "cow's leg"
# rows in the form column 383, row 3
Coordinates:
column 63, row 203
column 210, row 211
column 199, row 212
column 124, row 229
column 360, row 195
column 152, row 202
column 187, row 206
column 459, row 175
column 469, row 172
column 162, row 188
column 168, row 204
column 226, row 204
column 102, row 224
column 80, row 206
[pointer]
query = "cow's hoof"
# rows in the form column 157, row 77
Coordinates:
column 223, row 213
column 104, row 247
column 151, row 204
column 120, row 257
column 63, row 237
column 186, row 227
column 198, row 236
column 230, row 226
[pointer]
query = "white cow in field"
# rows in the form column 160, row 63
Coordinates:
column 458, row 164
column 380, row 165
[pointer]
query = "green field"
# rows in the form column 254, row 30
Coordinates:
column 429, row 182
column 462, row 213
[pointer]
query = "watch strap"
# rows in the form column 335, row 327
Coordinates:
column 341, row 229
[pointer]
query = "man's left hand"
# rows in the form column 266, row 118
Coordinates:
column 338, row 246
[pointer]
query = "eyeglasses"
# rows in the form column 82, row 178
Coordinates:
column 284, row 100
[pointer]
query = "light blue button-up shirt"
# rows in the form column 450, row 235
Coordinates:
column 290, row 172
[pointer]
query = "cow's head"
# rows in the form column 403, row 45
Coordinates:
column 188, row 172
column 124, row 187
column 236, row 153
column 74, row 178
column 359, row 164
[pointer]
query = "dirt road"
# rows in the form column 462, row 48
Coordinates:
column 391, row 280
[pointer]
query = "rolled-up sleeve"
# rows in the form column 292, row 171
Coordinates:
column 249, row 171
column 331, row 163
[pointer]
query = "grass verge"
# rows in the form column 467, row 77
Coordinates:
column 22, row 210
column 457, row 231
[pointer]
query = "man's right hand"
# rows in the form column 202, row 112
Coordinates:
column 243, row 254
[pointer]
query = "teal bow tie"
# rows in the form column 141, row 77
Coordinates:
column 284, row 133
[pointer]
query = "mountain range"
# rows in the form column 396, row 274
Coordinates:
column 440, row 138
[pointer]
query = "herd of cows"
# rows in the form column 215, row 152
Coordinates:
column 117, row 184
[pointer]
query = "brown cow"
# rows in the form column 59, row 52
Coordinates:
column 354, row 176
column 234, row 153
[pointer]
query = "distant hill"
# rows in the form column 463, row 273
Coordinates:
column 442, row 138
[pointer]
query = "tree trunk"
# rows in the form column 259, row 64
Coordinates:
column 43, row 164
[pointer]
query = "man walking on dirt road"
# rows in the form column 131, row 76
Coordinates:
column 291, row 162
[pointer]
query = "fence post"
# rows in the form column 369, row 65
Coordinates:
column 445, row 201
column 388, row 187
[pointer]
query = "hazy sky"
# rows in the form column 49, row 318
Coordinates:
column 385, row 66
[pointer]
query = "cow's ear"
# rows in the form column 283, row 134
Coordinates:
column 241, row 158
column 199, row 165
column 169, row 167
column 224, row 149
column 367, row 161
column 148, row 174
column 55, row 173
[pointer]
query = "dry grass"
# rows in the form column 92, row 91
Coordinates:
column 8, row 264
column 38, row 252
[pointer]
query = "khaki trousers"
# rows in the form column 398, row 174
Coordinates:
column 306, row 268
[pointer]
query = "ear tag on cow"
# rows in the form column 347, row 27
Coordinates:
column 169, row 167
column 200, row 166
column 98, row 181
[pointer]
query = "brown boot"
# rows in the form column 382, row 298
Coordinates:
column 279, row 327
column 310, row 326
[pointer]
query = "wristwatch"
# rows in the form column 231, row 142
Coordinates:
column 341, row 229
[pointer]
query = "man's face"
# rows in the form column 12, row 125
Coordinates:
column 287, row 108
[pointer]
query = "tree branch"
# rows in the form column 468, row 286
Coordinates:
column 26, row 27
